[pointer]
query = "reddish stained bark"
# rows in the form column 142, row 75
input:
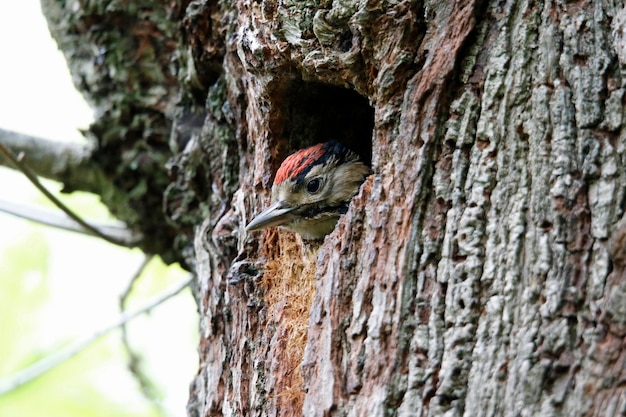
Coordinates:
column 443, row 46
column 386, row 205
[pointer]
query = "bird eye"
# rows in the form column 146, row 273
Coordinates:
column 314, row 185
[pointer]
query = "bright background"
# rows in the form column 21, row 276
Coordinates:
column 57, row 287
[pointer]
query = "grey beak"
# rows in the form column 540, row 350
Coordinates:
column 277, row 214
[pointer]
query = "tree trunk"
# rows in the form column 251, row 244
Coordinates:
column 480, row 269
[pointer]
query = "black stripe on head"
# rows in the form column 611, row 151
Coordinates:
column 330, row 149
column 311, row 212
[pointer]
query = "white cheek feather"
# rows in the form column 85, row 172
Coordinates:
column 345, row 181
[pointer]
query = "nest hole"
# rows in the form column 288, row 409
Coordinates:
column 315, row 112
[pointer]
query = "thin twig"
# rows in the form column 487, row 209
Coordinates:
column 134, row 358
column 60, row 221
column 17, row 161
column 131, row 283
column 36, row 370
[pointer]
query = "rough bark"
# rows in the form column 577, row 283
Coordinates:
column 471, row 275
column 122, row 55
column 479, row 271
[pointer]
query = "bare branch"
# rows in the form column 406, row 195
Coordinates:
column 36, row 370
column 70, row 164
column 116, row 230
column 66, row 162
column 17, row 161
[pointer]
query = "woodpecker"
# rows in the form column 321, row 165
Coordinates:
column 312, row 188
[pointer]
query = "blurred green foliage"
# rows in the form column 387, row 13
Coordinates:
column 96, row 382
column 70, row 389
column 23, row 285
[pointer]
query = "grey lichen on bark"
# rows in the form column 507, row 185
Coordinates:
column 121, row 56
column 553, row 191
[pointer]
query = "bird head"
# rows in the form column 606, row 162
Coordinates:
column 312, row 188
